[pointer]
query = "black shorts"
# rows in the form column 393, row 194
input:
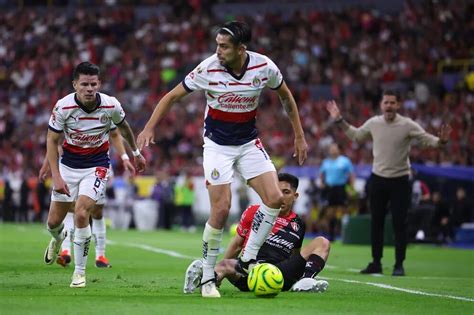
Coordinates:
column 291, row 268
column 336, row 195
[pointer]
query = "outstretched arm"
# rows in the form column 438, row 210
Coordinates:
column 234, row 248
column 357, row 134
column 147, row 135
column 428, row 140
column 289, row 104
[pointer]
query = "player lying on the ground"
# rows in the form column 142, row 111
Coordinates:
column 282, row 248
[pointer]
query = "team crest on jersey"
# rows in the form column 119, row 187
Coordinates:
column 191, row 75
column 104, row 119
column 215, row 174
column 295, row 226
column 256, row 82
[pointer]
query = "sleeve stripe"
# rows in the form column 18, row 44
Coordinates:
column 55, row 130
column 279, row 85
column 186, row 87
column 116, row 124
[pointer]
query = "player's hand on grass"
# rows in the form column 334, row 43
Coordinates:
column 145, row 138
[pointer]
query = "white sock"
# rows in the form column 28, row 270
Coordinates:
column 262, row 225
column 82, row 240
column 69, row 226
column 56, row 232
column 211, row 243
column 98, row 231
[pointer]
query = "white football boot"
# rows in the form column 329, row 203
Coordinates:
column 209, row 289
column 78, row 281
column 193, row 276
column 53, row 248
column 310, row 285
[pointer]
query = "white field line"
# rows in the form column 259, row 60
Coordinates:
column 379, row 285
column 390, row 287
column 405, row 277
column 153, row 249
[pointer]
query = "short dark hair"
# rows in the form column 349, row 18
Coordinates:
column 239, row 32
column 290, row 179
column 85, row 68
column 392, row 93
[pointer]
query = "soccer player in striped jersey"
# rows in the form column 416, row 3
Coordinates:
column 98, row 220
column 232, row 80
column 85, row 117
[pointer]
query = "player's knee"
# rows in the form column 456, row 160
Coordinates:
column 222, row 207
column 96, row 212
column 322, row 244
column 53, row 223
column 81, row 214
column 54, row 219
column 273, row 200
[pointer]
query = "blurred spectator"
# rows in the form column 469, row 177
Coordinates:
column 24, row 202
column 184, row 199
column 163, row 193
column 43, row 196
column 312, row 216
column 420, row 193
column 441, row 224
column 141, row 55
column 462, row 210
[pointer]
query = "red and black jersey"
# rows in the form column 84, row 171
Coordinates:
column 286, row 235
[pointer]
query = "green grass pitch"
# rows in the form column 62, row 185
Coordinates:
column 148, row 269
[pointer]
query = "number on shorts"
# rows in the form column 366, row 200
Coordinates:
column 97, row 183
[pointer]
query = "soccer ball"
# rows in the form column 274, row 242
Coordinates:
column 233, row 229
column 265, row 280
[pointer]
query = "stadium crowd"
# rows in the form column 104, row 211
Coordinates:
column 349, row 55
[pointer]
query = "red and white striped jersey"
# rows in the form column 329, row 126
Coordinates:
column 232, row 100
column 86, row 132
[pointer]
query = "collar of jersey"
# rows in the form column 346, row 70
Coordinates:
column 97, row 104
column 290, row 215
column 242, row 73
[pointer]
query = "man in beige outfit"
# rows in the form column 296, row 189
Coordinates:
column 391, row 134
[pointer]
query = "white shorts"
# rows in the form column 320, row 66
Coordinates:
column 90, row 182
column 101, row 200
column 220, row 161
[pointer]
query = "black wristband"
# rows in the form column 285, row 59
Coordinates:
column 339, row 120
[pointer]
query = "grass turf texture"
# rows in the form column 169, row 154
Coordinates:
column 147, row 279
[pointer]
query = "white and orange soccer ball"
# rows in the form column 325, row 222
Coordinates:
column 265, row 280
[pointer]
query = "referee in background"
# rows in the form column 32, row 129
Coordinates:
column 335, row 173
column 391, row 134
